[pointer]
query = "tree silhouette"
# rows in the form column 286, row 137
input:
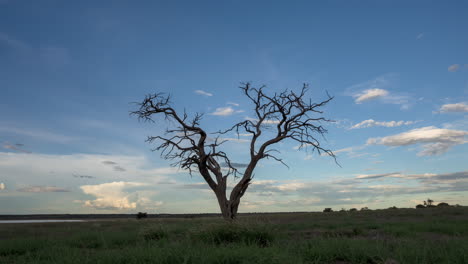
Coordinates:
column 287, row 114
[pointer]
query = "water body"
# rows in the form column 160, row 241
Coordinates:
column 37, row 221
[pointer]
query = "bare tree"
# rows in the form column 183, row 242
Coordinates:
column 285, row 115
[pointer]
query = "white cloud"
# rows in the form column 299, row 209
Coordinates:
column 435, row 140
column 420, row 36
column 111, row 195
column 372, row 123
column 264, row 122
column 453, row 67
column 458, row 107
column 225, row 111
column 2, row 186
column 201, row 92
column 231, row 103
column 377, row 89
column 369, row 94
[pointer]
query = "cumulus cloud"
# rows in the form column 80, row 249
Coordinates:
column 41, row 189
column 450, row 108
column 453, row 67
column 435, row 140
column 112, row 195
column 369, row 94
column 201, row 92
column 372, row 123
column 2, row 186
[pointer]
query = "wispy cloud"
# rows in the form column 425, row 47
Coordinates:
column 16, row 147
column 461, row 107
column 38, row 134
column 377, row 89
column 2, row 186
column 233, row 104
column 435, row 141
column 41, row 189
column 201, row 92
column 453, row 67
column 114, row 165
column 369, row 94
column 83, row 176
column 13, row 43
column 420, row 36
column 224, row 111
column 50, row 55
column 372, row 123
column 375, row 176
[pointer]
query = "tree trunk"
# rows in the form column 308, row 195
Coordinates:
column 229, row 207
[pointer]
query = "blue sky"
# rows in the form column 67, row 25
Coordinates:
column 69, row 73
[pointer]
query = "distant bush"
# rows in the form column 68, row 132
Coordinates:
column 443, row 205
column 393, row 207
column 419, row 206
column 365, row 209
column 327, row 210
column 141, row 215
column 343, row 210
column 353, row 210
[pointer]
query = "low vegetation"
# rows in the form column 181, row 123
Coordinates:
column 432, row 235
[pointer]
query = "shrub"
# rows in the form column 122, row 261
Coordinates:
column 327, row 210
column 443, row 205
column 419, row 206
column 353, row 210
column 393, row 207
column 141, row 215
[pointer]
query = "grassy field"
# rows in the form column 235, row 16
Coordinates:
column 431, row 235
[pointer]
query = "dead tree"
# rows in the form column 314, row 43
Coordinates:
column 285, row 116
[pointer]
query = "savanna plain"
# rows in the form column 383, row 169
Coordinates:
column 429, row 235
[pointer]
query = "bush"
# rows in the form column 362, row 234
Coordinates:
column 420, row 206
column 141, row 215
column 443, row 205
column 353, row 210
column 327, row 210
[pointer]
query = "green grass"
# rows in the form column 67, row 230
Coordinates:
column 436, row 235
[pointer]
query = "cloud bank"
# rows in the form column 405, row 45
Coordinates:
column 435, row 141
